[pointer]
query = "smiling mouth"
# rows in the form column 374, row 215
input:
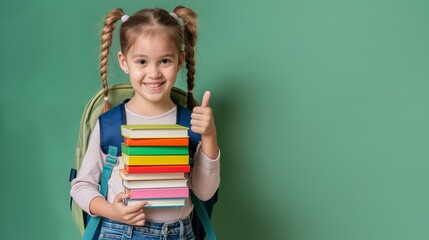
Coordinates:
column 154, row 85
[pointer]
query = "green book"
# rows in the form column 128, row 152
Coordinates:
column 154, row 150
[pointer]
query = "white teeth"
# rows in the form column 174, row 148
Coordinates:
column 153, row 85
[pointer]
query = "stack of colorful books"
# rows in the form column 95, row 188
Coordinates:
column 156, row 164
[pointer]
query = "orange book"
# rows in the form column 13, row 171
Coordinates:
column 156, row 141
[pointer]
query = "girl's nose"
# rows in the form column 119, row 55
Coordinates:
column 154, row 72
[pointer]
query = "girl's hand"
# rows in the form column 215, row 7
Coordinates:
column 132, row 215
column 202, row 120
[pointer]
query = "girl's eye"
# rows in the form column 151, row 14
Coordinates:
column 141, row 62
column 165, row 61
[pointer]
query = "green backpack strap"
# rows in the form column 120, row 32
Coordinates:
column 92, row 230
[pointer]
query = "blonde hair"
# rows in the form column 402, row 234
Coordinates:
column 150, row 22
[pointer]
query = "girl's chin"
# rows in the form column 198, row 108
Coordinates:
column 155, row 97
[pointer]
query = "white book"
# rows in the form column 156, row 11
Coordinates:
column 171, row 183
column 157, row 203
column 154, row 131
column 151, row 176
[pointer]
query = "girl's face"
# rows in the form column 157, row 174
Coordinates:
column 153, row 64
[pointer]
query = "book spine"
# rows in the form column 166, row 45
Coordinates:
column 156, row 141
column 154, row 150
column 155, row 160
column 140, row 184
column 157, row 169
column 151, row 176
column 157, row 203
column 158, row 193
column 154, row 133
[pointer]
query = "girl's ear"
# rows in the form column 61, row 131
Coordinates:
column 123, row 62
column 181, row 60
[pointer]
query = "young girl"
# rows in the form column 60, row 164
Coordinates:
column 154, row 46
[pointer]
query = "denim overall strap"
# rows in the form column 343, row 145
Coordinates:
column 204, row 217
column 92, row 229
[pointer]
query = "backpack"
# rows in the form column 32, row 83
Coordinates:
column 110, row 136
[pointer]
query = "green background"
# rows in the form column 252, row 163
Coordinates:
column 321, row 110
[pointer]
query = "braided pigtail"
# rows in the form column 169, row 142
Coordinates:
column 189, row 18
column 106, row 42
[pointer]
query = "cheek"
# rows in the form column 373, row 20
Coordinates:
column 135, row 75
column 173, row 73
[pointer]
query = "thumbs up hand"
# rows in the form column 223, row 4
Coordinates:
column 202, row 122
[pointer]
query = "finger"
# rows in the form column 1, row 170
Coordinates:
column 200, row 116
column 140, row 223
column 120, row 197
column 199, row 111
column 138, row 207
column 200, row 123
column 136, row 217
column 139, row 220
column 196, row 110
column 206, row 98
column 197, row 129
column 143, row 204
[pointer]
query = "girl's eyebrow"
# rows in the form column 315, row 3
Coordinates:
column 138, row 55
column 144, row 56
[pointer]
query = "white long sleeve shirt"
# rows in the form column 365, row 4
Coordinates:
column 204, row 178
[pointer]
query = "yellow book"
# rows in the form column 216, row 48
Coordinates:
column 155, row 160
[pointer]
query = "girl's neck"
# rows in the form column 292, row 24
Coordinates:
column 146, row 108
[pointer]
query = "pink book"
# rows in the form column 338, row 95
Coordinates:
column 150, row 193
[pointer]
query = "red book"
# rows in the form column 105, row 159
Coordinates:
column 151, row 176
column 157, row 169
column 156, row 141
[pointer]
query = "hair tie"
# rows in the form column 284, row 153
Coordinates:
column 174, row 15
column 124, row 18
column 189, row 91
column 106, row 98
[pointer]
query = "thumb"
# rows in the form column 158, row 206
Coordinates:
column 206, row 99
column 120, row 197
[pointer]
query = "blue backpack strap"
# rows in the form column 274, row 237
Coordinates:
column 110, row 143
column 184, row 118
column 92, row 230
column 110, row 131
column 201, row 224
